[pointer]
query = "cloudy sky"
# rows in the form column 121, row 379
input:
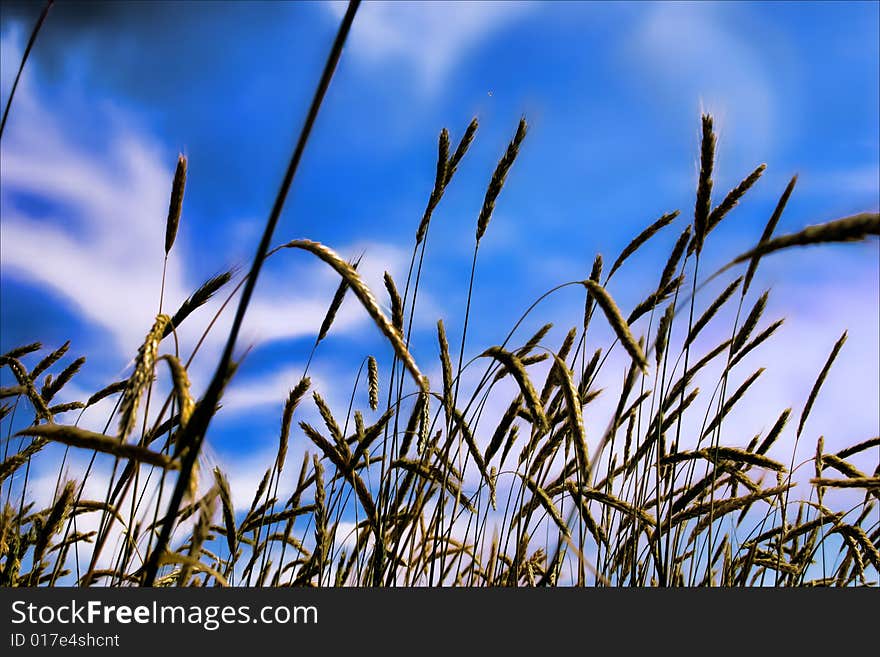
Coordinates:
column 612, row 92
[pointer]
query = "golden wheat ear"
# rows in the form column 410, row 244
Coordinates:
column 368, row 301
column 141, row 377
column 617, row 322
column 175, row 204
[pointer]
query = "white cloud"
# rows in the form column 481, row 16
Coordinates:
column 92, row 247
column 269, row 389
column 687, row 51
column 98, row 245
column 429, row 37
column 858, row 180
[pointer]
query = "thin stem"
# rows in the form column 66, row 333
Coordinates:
column 24, row 58
column 194, row 432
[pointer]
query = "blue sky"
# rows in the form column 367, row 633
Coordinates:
column 612, row 92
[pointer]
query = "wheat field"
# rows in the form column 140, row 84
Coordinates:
column 417, row 482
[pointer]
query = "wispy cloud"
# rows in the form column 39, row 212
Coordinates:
column 855, row 181
column 430, row 38
column 95, row 238
column 269, row 389
column 89, row 239
column 690, row 52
